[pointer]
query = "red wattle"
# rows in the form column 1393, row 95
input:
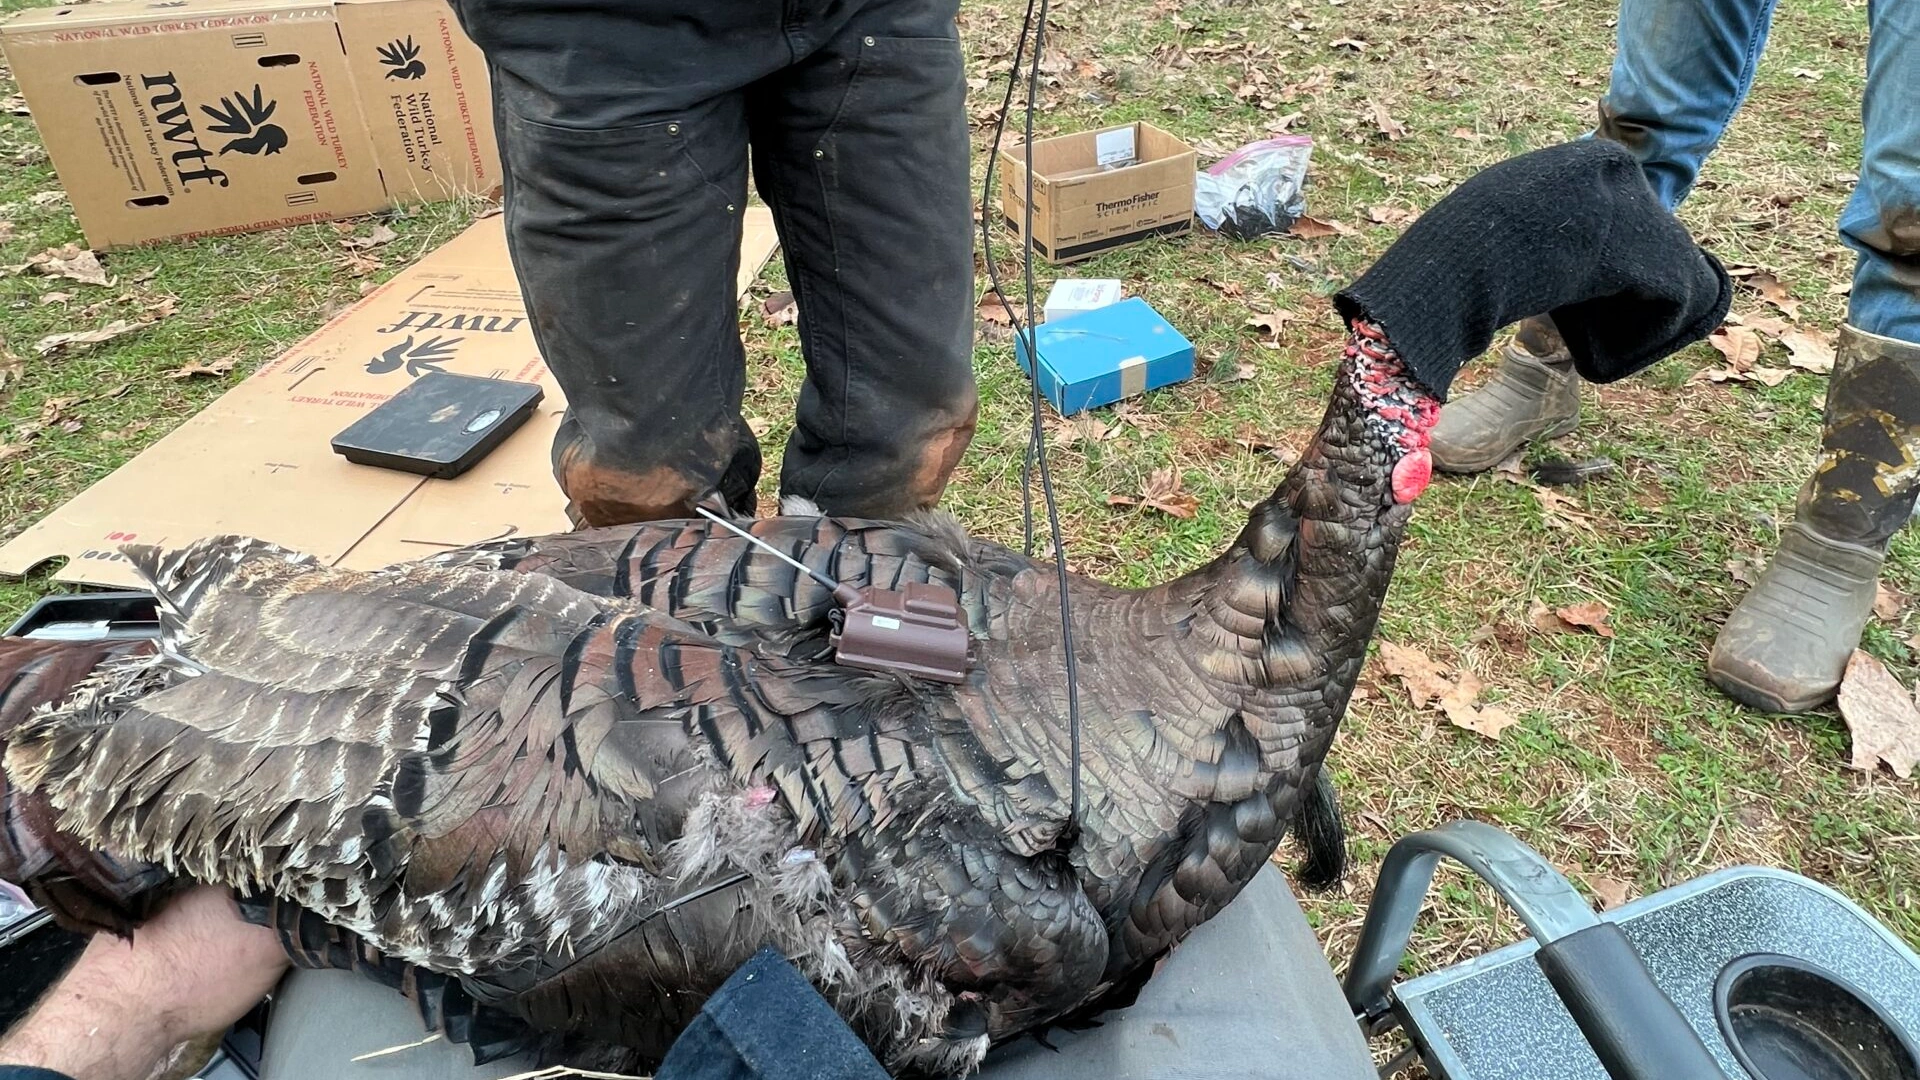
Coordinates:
column 1410, row 476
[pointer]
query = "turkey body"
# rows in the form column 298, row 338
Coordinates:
column 584, row 777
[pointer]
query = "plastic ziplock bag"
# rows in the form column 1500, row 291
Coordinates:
column 1258, row 189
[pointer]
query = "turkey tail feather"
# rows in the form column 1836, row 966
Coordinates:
column 86, row 890
column 1322, row 833
column 180, row 578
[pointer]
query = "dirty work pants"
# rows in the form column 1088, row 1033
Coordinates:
column 1683, row 68
column 625, row 127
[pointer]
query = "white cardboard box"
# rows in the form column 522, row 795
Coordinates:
column 1071, row 296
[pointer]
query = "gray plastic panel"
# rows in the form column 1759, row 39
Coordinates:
column 1495, row 1017
column 1249, row 995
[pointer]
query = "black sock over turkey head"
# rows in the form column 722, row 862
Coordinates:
column 567, row 784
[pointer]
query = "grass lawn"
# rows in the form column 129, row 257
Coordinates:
column 1625, row 767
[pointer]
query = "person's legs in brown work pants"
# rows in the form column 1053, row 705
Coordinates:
column 625, row 128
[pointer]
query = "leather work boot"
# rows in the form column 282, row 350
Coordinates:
column 1784, row 648
column 1534, row 395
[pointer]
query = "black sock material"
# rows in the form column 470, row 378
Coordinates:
column 1573, row 231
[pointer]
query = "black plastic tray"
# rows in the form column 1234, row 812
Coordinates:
column 90, row 616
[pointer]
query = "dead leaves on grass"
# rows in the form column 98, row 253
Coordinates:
column 997, row 315
column 1807, row 352
column 79, row 340
column 1593, row 616
column 376, row 236
column 1739, row 342
column 1888, row 603
column 70, row 261
column 1307, row 227
column 1559, row 511
column 1270, row 324
column 1455, row 693
column 1164, row 492
column 781, row 309
column 1393, row 129
column 1611, row 892
column 216, row 368
column 1882, row 716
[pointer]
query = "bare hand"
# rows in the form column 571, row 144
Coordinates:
column 192, row 970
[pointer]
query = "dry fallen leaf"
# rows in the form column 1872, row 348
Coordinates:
column 1773, row 291
column 759, row 425
column 1425, row 679
column 995, row 309
column 1486, row 720
column 1544, row 620
column 12, row 368
column 1766, row 324
column 1227, row 288
column 1390, row 215
column 1271, row 323
column 1393, row 129
column 1888, row 603
column 1307, row 227
column 1610, row 892
column 1163, row 492
column 1431, row 180
column 76, row 340
column 1881, row 715
column 781, row 309
column 217, row 367
column 1807, row 352
column 1591, row 615
column 1514, row 469
column 379, row 234
column 54, row 298
column 1740, row 570
column 70, row 261
column 1349, row 43
column 1558, row 511
column 1085, row 427
column 1738, row 344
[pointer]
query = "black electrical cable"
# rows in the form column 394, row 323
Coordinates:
column 1036, row 440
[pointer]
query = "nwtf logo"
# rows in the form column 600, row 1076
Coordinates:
column 418, row 359
column 242, row 116
column 402, row 59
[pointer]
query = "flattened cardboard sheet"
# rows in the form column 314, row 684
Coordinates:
column 258, row 461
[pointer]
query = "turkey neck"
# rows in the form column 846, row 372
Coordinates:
column 1286, row 613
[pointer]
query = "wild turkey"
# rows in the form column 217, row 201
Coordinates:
column 570, row 783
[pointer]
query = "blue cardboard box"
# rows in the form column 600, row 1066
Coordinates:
column 1099, row 357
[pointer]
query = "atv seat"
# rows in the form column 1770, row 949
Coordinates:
column 1249, row 995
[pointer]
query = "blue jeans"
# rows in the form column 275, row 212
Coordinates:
column 767, row 1022
column 1684, row 66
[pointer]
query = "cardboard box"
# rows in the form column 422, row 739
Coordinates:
column 185, row 118
column 1097, row 190
column 1071, row 296
column 423, row 93
column 1104, row 356
column 259, row 460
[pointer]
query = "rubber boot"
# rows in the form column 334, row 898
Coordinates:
column 1784, row 648
column 1535, row 394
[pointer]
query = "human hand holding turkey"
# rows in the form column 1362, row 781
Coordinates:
column 192, row 970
